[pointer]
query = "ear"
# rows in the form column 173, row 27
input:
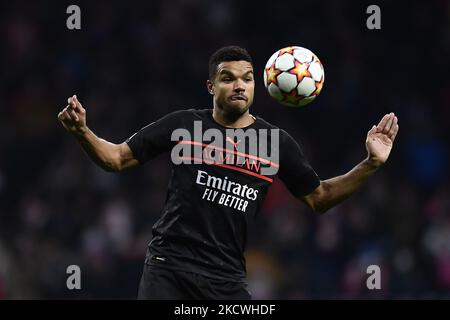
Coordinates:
column 210, row 86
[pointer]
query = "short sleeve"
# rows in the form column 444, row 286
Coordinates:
column 295, row 170
column 154, row 138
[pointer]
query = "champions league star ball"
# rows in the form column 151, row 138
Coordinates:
column 294, row 76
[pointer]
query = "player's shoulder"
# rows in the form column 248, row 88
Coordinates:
column 263, row 123
column 268, row 125
column 182, row 115
column 283, row 134
column 191, row 112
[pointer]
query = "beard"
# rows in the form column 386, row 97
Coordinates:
column 233, row 112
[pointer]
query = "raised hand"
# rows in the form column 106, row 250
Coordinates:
column 380, row 139
column 73, row 117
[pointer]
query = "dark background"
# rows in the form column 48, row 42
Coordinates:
column 133, row 62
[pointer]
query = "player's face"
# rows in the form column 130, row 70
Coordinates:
column 233, row 87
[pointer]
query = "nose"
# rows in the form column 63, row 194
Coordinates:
column 239, row 85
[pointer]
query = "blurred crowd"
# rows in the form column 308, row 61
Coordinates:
column 131, row 63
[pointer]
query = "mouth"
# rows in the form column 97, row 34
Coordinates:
column 238, row 97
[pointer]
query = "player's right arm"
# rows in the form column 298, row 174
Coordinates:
column 109, row 156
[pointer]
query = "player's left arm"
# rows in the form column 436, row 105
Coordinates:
column 379, row 142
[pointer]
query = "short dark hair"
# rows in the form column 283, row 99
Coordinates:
column 229, row 53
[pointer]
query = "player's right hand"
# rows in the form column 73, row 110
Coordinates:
column 73, row 117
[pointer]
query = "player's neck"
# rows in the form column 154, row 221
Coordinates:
column 225, row 120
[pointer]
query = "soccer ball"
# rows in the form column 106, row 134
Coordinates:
column 294, row 76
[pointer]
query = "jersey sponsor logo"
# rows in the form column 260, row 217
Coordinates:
column 226, row 192
column 245, row 151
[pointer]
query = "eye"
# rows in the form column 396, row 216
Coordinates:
column 226, row 79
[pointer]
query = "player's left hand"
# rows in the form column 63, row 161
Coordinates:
column 380, row 139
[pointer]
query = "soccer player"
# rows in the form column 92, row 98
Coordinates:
column 197, row 248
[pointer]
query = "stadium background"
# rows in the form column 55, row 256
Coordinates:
column 132, row 62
